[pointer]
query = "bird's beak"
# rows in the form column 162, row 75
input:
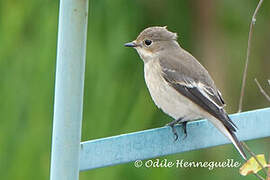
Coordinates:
column 131, row 44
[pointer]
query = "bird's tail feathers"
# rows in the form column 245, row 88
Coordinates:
column 230, row 135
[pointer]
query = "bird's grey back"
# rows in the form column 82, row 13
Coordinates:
column 176, row 64
column 178, row 60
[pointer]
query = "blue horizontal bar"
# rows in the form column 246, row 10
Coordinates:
column 160, row 141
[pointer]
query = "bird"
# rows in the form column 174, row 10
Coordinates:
column 179, row 85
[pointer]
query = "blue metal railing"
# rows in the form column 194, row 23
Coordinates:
column 160, row 141
column 72, row 30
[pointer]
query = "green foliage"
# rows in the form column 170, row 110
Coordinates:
column 116, row 99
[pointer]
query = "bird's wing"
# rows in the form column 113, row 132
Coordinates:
column 196, row 86
column 199, row 88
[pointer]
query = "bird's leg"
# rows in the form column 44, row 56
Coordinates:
column 185, row 128
column 173, row 123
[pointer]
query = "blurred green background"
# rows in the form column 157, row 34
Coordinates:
column 116, row 99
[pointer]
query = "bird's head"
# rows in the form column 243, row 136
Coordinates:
column 153, row 40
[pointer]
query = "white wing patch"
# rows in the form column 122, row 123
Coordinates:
column 206, row 91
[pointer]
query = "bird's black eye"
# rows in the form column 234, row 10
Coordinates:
column 147, row 42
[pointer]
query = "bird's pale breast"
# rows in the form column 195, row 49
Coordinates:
column 165, row 97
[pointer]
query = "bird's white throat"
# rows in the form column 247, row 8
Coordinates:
column 145, row 54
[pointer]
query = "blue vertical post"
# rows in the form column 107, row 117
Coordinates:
column 68, row 105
